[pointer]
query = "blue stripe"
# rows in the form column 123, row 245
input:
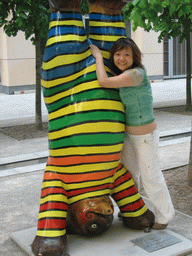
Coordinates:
column 68, row 70
column 63, row 49
column 106, row 46
column 64, row 30
column 104, row 17
column 107, row 31
column 64, row 16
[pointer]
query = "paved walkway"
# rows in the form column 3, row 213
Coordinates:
column 20, row 109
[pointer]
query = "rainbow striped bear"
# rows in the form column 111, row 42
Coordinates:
column 86, row 131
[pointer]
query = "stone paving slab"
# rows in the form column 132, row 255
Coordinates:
column 117, row 241
column 173, row 154
column 6, row 140
column 24, row 147
column 23, row 157
column 22, row 170
column 19, row 206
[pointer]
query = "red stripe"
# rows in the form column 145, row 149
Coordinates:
column 133, row 206
column 125, row 193
column 53, row 206
column 52, row 224
column 125, row 177
column 53, row 190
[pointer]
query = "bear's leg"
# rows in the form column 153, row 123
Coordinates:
column 106, row 26
column 51, row 233
column 134, row 212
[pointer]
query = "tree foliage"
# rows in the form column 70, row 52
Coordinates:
column 26, row 15
column 31, row 17
column 84, row 7
column 169, row 17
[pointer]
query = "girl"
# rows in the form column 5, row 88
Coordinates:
column 140, row 152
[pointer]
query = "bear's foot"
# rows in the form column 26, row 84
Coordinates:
column 143, row 222
column 46, row 246
column 64, row 5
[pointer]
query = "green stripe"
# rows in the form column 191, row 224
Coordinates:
column 86, row 117
column 88, row 140
column 47, row 92
column 93, row 94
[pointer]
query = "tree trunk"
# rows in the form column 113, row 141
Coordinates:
column 38, row 115
column 189, row 178
column 188, row 85
column 188, row 103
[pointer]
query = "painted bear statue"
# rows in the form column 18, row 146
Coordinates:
column 86, row 131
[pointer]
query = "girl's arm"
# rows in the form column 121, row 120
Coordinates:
column 122, row 80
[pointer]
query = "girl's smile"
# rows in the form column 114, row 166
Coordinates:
column 123, row 59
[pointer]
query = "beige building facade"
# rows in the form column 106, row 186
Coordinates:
column 17, row 59
column 17, row 63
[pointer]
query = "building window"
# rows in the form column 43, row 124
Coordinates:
column 175, row 58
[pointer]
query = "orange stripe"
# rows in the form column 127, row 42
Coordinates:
column 73, row 160
column 78, row 177
column 89, row 189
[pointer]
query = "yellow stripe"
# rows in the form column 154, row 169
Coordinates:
column 66, row 38
column 135, row 214
column 106, row 55
column 76, row 23
column 105, row 38
column 124, row 186
column 54, row 183
column 106, row 24
column 89, row 184
column 73, row 186
column 85, row 150
column 65, row 60
column 88, row 195
column 87, row 106
column 80, row 169
column 87, row 128
column 51, row 233
column 120, row 173
column 49, row 214
column 80, row 88
column 59, row 197
column 50, row 84
column 129, row 200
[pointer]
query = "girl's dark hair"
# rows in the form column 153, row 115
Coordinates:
column 120, row 44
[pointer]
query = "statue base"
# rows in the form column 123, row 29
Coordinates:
column 117, row 241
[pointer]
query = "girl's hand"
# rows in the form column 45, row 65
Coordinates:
column 95, row 51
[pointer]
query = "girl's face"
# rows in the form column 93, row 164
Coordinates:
column 123, row 59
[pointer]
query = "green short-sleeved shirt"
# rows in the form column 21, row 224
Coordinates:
column 138, row 100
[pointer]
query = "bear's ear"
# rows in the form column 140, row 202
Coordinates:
column 90, row 217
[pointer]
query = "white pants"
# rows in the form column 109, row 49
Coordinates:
column 140, row 156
